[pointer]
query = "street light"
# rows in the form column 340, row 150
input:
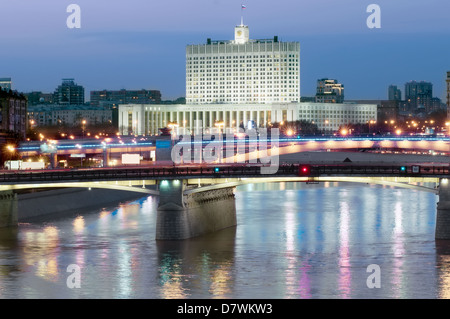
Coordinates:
column 83, row 127
column 172, row 126
column 219, row 124
column 81, row 158
column 11, row 149
column 371, row 122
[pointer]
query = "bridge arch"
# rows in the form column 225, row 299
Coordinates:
column 103, row 185
column 395, row 182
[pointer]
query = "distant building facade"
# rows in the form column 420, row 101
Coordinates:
column 71, row 115
column 418, row 94
column 329, row 91
column 394, row 93
column 114, row 98
column 69, row 93
column 13, row 113
column 387, row 111
column 35, row 98
column 243, row 71
column 139, row 119
column 448, row 95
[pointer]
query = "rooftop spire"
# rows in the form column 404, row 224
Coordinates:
column 243, row 7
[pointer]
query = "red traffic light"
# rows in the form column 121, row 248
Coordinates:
column 304, row 170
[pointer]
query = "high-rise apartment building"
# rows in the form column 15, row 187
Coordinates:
column 243, row 71
column 418, row 94
column 69, row 93
column 6, row 83
column 329, row 91
column 394, row 93
column 13, row 113
column 448, row 95
column 114, row 98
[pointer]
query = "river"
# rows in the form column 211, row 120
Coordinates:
column 293, row 240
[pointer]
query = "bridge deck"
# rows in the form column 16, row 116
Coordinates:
column 221, row 171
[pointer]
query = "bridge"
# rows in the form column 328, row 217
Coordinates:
column 197, row 199
column 108, row 150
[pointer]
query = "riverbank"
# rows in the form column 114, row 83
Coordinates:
column 48, row 204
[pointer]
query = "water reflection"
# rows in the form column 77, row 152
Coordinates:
column 345, row 275
column 292, row 241
column 443, row 266
column 192, row 267
column 41, row 250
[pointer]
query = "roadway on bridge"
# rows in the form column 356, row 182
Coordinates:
column 361, row 157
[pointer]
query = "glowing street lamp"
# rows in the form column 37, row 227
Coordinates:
column 172, row 126
column 371, row 122
column 81, row 158
column 83, row 127
column 219, row 124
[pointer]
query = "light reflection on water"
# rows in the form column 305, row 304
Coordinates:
column 292, row 241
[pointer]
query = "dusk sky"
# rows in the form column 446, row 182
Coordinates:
column 137, row 44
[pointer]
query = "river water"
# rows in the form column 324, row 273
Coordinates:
column 293, row 240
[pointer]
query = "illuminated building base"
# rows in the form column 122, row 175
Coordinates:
column 8, row 209
column 443, row 211
column 183, row 216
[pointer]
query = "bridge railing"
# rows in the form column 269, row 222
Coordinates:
column 249, row 170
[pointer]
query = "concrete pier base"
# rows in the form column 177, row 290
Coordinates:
column 443, row 211
column 183, row 216
column 8, row 209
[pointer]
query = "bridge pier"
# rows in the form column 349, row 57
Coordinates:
column 8, row 209
column 443, row 210
column 183, row 216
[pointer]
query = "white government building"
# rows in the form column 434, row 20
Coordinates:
column 242, row 82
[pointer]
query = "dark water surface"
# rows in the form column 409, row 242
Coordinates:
column 292, row 241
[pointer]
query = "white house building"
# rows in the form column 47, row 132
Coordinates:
column 241, row 83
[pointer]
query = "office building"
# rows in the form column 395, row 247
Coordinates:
column 243, row 71
column 139, row 119
column 418, row 95
column 68, row 115
column 394, row 93
column 114, row 98
column 13, row 113
column 329, row 91
column 69, row 93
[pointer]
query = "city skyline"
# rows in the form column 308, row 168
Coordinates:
column 122, row 49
